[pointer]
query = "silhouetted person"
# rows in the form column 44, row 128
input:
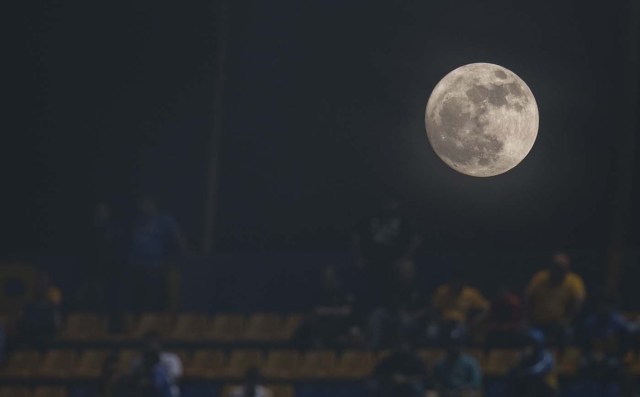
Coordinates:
column 401, row 374
column 404, row 308
column 505, row 318
column 251, row 386
column 155, row 236
column 168, row 364
column 458, row 303
column 384, row 239
column 102, row 266
column 607, row 339
column 332, row 314
column 457, row 374
column 533, row 375
column 553, row 299
column 41, row 317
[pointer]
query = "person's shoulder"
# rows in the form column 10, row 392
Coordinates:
column 169, row 356
column 540, row 277
column 574, row 278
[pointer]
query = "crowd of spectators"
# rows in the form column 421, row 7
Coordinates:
column 378, row 303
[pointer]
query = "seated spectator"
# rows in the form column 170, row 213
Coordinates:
column 401, row 374
column 404, row 308
column 331, row 318
column 458, row 374
column 505, row 319
column 251, row 386
column 41, row 317
column 169, row 365
column 534, row 375
column 606, row 342
column 150, row 378
column 458, row 303
column 553, row 299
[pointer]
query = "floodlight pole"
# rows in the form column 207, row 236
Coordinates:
column 211, row 184
column 621, row 203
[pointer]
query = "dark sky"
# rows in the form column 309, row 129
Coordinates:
column 323, row 118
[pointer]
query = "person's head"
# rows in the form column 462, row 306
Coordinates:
column 149, row 359
column 329, row 277
column 533, row 342
column 152, row 341
column 252, row 378
column 147, row 205
column 559, row 266
column 406, row 271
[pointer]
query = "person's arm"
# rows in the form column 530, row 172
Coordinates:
column 579, row 295
column 480, row 306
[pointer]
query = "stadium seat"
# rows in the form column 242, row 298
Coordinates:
column 125, row 358
column 317, row 364
column 21, row 364
column 84, row 326
column 58, row 364
column 567, row 363
column 225, row 327
column 159, row 322
column 189, row 327
column 90, row 363
column 15, row 391
column 206, row 364
column 282, row 390
column 354, row 364
column 500, row 361
column 277, row 390
column 263, row 327
column 431, row 357
column 241, row 360
column 50, row 391
column 289, row 327
column 281, row 364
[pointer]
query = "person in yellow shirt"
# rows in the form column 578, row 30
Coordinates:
column 554, row 297
column 456, row 302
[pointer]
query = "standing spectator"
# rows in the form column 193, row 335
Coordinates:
column 102, row 265
column 383, row 240
column 505, row 318
column 553, row 299
column 155, row 236
column 458, row 374
column 41, row 317
column 251, row 386
column 606, row 342
column 332, row 314
column 401, row 374
column 150, row 378
column 404, row 308
column 458, row 303
column 169, row 365
column 534, row 375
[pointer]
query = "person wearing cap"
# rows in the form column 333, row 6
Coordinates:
column 554, row 297
column 457, row 374
column 534, row 375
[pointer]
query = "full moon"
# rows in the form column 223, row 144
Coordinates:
column 481, row 119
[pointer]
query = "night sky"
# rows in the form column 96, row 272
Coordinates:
column 324, row 117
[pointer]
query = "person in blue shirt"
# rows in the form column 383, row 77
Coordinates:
column 457, row 374
column 533, row 375
column 155, row 236
column 606, row 342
